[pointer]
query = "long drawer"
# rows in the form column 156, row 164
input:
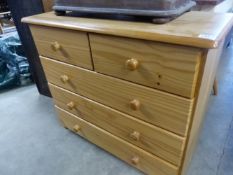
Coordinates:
column 131, row 154
column 64, row 45
column 161, row 109
column 162, row 66
column 161, row 143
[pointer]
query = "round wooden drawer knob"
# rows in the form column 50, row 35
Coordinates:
column 56, row 46
column 135, row 160
column 64, row 78
column 132, row 64
column 76, row 128
column 135, row 135
column 135, row 104
column 71, row 105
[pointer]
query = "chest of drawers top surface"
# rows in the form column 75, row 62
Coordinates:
column 198, row 29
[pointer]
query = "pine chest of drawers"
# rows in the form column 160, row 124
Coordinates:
column 137, row 90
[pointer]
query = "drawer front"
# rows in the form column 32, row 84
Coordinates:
column 129, row 153
column 162, row 66
column 64, row 45
column 162, row 109
column 161, row 143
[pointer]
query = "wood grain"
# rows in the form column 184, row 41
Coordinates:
column 206, row 84
column 129, row 153
column 48, row 4
column 198, row 29
column 164, row 145
column 162, row 66
column 162, row 109
column 72, row 46
column 161, row 143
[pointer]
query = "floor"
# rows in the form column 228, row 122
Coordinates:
column 33, row 142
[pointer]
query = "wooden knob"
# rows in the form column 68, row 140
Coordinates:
column 132, row 64
column 135, row 104
column 76, row 128
column 135, row 135
column 135, row 160
column 64, row 78
column 71, row 105
column 56, row 46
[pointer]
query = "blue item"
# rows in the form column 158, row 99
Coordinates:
column 14, row 65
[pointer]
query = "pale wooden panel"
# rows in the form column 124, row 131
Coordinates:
column 198, row 29
column 206, row 84
column 73, row 46
column 162, row 66
column 162, row 109
column 161, row 143
column 146, row 162
column 48, row 4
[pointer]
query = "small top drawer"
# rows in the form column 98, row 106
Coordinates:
column 64, row 45
column 166, row 67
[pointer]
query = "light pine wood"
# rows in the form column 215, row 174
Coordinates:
column 135, row 160
column 48, row 4
column 135, row 135
column 64, row 78
column 153, row 130
column 162, row 66
column 198, row 29
column 215, row 87
column 135, row 104
column 161, row 143
column 71, row 105
column 76, row 128
column 211, row 63
column 65, row 45
column 131, row 64
column 129, row 153
column 161, row 109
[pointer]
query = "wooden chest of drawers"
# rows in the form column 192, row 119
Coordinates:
column 137, row 90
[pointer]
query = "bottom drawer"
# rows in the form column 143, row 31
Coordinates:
column 131, row 154
column 152, row 139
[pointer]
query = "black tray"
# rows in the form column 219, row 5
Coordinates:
column 160, row 11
